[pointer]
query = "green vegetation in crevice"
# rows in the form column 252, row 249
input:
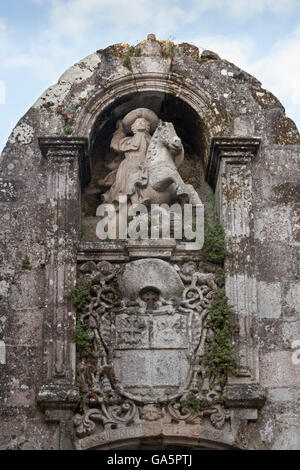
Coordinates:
column 167, row 51
column 220, row 356
column 160, row 405
column 214, row 248
column 127, row 57
column 82, row 232
column 127, row 62
column 68, row 130
column 75, row 107
column 80, row 296
column 26, row 263
column 190, row 402
column 69, row 119
column 193, row 403
column 197, row 405
column 82, row 339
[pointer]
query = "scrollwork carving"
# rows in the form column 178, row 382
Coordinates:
column 145, row 351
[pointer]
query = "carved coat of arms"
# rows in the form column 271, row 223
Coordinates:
column 149, row 325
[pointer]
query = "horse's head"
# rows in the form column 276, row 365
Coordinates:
column 166, row 134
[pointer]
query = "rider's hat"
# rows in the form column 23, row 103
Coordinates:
column 145, row 113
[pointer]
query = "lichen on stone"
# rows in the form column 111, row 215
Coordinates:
column 265, row 98
column 23, row 134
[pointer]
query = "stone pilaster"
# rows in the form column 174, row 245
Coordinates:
column 229, row 173
column 66, row 166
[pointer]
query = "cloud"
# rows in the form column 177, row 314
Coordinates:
column 9, row 51
column 280, row 71
column 234, row 49
column 243, row 9
column 75, row 17
column 72, row 18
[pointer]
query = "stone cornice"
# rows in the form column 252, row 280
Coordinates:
column 63, row 148
column 244, row 396
column 233, row 147
column 58, row 396
column 62, row 144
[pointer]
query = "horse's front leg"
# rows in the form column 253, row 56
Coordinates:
column 161, row 182
column 170, row 180
column 181, row 188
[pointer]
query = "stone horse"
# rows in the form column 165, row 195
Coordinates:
column 165, row 154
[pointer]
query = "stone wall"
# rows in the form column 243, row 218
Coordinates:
column 40, row 183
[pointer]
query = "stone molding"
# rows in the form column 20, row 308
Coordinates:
column 244, row 396
column 233, row 147
column 121, row 251
column 184, row 89
column 64, row 147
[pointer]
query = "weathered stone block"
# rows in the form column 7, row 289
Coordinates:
column 244, row 396
column 277, row 370
column 269, row 299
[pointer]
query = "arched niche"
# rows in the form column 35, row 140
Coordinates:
column 169, row 107
column 150, row 90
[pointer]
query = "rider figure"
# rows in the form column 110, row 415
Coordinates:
column 132, row 174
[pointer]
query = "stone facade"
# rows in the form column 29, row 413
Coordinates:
column 148, row 307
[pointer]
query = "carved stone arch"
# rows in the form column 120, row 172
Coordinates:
column 158, row 442
column 121, row 95
column 197, row 98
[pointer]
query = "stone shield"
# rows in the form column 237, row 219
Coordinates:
column 151, row 354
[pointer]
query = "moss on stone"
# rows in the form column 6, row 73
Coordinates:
column 67, row 130
column 82, row 339
column 167, row 50
column 126, row 62
column 214, row 248
column 26, row 263
column 193, row 403
column 81, row 294
column 287, row 132
column 126, row 58
column 69, row 119
column 220, row 356
column 265, row 98
column 88, row 230
column 191, row 172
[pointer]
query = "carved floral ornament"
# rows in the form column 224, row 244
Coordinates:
column 148, row 341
